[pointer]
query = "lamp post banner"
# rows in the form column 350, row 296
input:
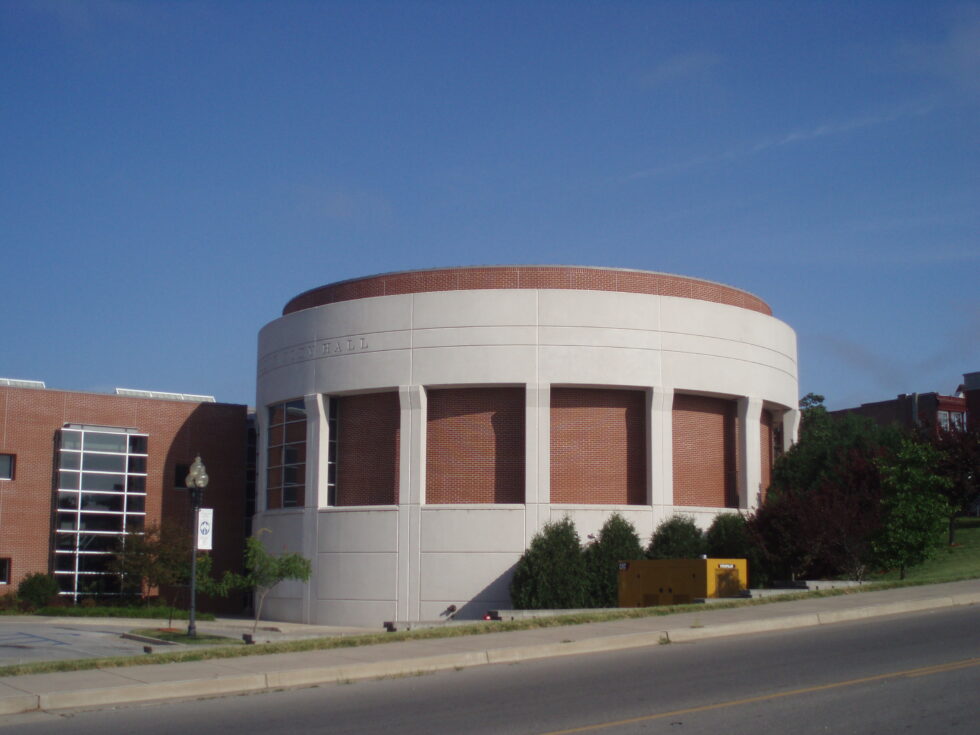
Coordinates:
column 205, row 526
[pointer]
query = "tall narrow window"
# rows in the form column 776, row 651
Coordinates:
column 332, row 411
column 286, row 456
column 6, row 467
column 101, row 497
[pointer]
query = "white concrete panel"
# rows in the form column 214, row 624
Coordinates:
column 371, row 315
column 598, row 309
column 456, row 336
column 598, row 366
column 497, row 307
column 356, row 576
column 461, row 365
column 280, row 530
column 363, row 372
column 727, row 348
column 456, row 529
column 358, row 530
column 287, row 610
column 595, row 337
column 459, row 578
column 359, row 613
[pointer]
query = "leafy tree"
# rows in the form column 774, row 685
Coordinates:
column 263, row 571
column 677, row 537
column 617, row 542
column 37, row 589
column 959, row 462
column 157, row 558
column 551, row 574
column 915, row 509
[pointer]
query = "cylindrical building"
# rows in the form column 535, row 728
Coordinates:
column 418, row 428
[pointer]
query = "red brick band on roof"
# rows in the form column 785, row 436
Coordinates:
column 530, row 277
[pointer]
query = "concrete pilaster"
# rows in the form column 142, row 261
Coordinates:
column 411, row 494
column 749, row 452
column 317, row 448
column 791, row 428
column 660, row 449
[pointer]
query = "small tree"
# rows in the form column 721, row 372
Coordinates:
column 959, row 462
column 551, row 574
column 915, row 510
column 263, row 571
column 157, row 558
column 617, row 542
column 677, row 537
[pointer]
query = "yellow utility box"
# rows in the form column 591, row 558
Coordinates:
column 649, row 582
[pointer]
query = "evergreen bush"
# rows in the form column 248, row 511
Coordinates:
column 676, row 537
column 617, row 542
column 37, row 589
column 551, row 574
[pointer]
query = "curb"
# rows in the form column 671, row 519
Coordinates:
column 251, row 683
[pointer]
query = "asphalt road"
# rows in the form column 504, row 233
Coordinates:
column 911, row 673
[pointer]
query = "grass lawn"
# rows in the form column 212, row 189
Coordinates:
column 961, row 561
column 172, row 635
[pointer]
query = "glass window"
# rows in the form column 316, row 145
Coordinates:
column 103, row 501
column 4, row 571
column 100, row 522
column 96, row 441
column 6, row 467
column 71, row 461
column 944, row 420
column 68, row 501
column 105, row 463
column 103, row 482
column 112, row 479
column 286, row 455
column 957, row 420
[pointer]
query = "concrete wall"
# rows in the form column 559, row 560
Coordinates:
column 412, row 560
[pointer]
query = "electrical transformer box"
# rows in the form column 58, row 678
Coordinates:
column 649, row 582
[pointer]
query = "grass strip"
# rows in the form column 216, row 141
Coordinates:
column 476, row 628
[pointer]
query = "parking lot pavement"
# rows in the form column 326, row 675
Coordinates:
column 28, row 642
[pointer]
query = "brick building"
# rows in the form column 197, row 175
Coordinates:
column 79, row 470
column 925, row 410
column 415, row 430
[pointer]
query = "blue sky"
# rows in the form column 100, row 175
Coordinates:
column 171, row 173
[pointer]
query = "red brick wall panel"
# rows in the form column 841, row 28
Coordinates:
column 704, row 451
column 529, row 277
column 368, row 437
column 598, row 446
column 475, row 445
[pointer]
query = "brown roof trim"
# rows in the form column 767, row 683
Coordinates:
column 530, row 277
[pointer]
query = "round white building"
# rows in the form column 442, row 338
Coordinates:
column 418, row 428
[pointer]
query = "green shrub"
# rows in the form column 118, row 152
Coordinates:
column 38, row 589
column 617, row 542
column 551, row 573
column 676, row 537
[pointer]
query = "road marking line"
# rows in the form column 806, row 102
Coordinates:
column 923, row 671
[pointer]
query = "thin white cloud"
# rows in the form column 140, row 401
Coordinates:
column 791, row 138
column 679, row 67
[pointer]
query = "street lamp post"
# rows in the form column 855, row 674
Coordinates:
column 197, row 480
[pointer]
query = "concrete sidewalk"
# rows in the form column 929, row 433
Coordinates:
column 103, row 687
